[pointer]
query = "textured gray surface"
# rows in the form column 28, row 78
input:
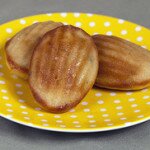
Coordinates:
column 17, row 137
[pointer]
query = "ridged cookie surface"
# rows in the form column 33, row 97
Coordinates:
column 19, row 49
column 122, row 65
column 63, row 68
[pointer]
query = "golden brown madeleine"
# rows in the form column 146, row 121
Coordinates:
column 63, row 68
column 19, row 49
column 122, row 65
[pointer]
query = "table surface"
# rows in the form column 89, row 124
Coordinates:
column 17, row 137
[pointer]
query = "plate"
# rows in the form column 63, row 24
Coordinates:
column 100, row 110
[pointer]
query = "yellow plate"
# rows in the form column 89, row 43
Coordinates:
column 100, row 110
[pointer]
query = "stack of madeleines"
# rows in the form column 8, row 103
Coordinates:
column 63, row 62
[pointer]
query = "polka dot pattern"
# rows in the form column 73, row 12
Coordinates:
column 107, row 24
column 92, row 24
column 101, row 109
column 139, row 39
column 22, row 21
column 78, row 24
column 109, row 33
column 121, row 21
column 8, row 30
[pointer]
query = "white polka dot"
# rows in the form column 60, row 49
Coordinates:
column 116, row 101
column 110, row 124
column 56, row 116
column 90, row 116
column 95, row 33
column 59, row 121
column 78, row 126
column 9, row 30
column 9, row 116
column 49, row 14
column 76, row 14
column 62, row 126
column 146, row 97
column 103, row 109
column 148, row 103
column 123, row 118
column 92, row 121
column 120, row 113
column 109, row 33
column 131, row 99
column 78, row 24
column 140, row 116
column 100, row 102
column 72, row 110
column 92, row 24
column 86, row 110
column 98, row 94
column 18, row 85
column 73, row 116
column 23, row 107
column 128, row 123
column 136, row 111
column 123, row 32
column 5, row 97
column 107, row 24
column 4, row 91
column 89, row 15
column 9, row 110
column 2, row 82
column 30, row 124
column 138, row 28
column 84, row 103
column 44, row 120
column 40, row 115
column 134, row 105
column 38, row 108
column 9, row 105
column 129, row 93
column 119, row 107
column 21, row 100
column 139, row 39
column 75, row 122
column 65, row 23
column 63, row 14
column 35, row 21
column 105, row 115
column 112, row 94
column 93, row 125
column 19, row 92
column 144, row 46
column 121, row 21
column 107, row 120
column 22, row 21
column 1, row 73
column 25, row 112
column 45, row 124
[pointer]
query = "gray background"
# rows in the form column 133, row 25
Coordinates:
column 18, row 137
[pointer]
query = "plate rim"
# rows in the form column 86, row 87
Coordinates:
column 69, row 130
column 72, row 12
column 76, row 130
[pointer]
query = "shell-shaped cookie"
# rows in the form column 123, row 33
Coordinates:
column 19, row 49
column 63, row 68
column 122, row 65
